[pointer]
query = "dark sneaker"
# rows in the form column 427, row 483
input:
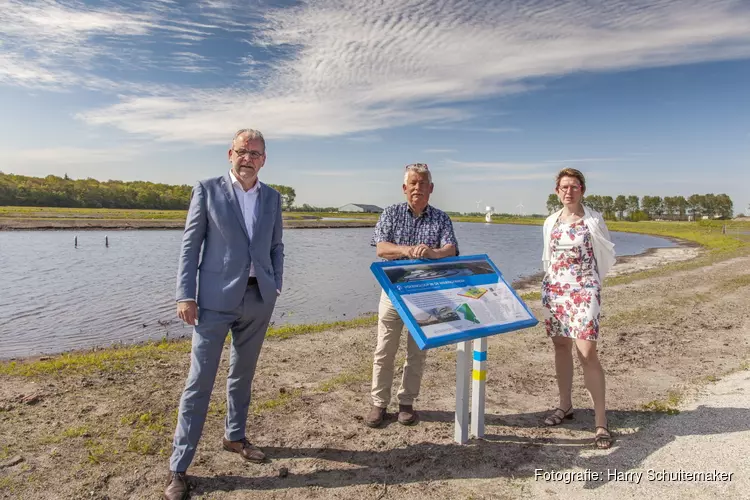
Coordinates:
column 407, row 415
column 375, row 417
column 177, row 486
column 245, row 449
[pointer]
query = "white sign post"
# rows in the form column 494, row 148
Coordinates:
column 464, row 419
column 479, row 376
column 463, row 362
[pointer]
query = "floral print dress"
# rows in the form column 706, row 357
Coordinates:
column 571, row 289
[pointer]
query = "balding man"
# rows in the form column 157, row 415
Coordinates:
column 230, row 273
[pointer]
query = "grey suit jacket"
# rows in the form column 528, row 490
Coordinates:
column 216, row 251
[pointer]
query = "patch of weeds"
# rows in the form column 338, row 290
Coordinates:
column 639, row 315
column 74, row 432
column 745, row 365
column 668, row 405
column 146, row 443
column 691, row 299
column 531, row 296
column 264, row 405
column 7, row 484
column 734, row 284
column 4, row 452
column 217, row 409
column 115, row 359
column 363, row 374
column 711, row 378
column 149, row 436
column 287, row 331
column 97, row 452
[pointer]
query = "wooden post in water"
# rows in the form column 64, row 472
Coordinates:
column 75, row 242
column 106, row 241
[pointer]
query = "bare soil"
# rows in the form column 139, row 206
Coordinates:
column 108, row 434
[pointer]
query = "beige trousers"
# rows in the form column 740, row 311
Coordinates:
column 389, row 336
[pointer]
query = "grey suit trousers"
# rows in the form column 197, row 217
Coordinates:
column 248, row 322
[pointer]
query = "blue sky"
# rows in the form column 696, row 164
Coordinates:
column 646, row 98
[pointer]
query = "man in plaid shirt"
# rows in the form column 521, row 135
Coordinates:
column 410, row 230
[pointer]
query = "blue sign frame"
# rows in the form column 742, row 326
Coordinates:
column 444, row 274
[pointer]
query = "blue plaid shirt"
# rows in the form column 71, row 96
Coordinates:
column 398, row 225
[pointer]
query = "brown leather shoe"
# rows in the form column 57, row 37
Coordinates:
column 375, row 417
column 177, row 486
column 245, row 449
column 407, row 415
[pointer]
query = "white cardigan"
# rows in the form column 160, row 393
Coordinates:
column 604, row 249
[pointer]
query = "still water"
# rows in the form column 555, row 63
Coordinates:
column 54, row 297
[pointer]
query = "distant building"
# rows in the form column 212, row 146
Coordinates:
column 357, row 207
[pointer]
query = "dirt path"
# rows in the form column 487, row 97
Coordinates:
column 107, row 435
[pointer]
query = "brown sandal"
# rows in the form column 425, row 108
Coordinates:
column 604, row 440
column 555, row 419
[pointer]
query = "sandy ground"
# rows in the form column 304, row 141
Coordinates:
column 711, row 435
column 107, row 435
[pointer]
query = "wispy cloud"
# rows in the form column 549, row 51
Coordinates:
column 495, row 165
column 331, row 173
column 337, row 67
column 588, row 160
column 71, row 155
column 440, row 151
column 494, row 177
column 369, row 138
column 492, row 130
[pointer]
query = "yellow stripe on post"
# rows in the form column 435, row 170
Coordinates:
column 479, row 374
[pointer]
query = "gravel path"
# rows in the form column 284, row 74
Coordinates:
column 711, row 433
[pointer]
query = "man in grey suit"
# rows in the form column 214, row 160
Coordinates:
column 232, row 251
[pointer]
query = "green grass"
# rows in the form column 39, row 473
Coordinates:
column 287, row 331
column 260, row 406
column 360, row 375
column 89, row 213
column 496, row 219
column 124, row 358
column 668, row 405
column 706, row 233
column 74, row 432
column 113, row 359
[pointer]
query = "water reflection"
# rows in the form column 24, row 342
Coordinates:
column 55, row 297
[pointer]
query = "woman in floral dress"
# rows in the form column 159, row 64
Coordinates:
column 577, row 255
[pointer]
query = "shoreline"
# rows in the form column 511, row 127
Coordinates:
column 628, row 264
column 82, row 224
column 625, row 265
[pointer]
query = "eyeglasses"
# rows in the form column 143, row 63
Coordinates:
column 573, row 188
column 253, row 154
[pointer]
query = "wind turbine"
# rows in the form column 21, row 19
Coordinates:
column 520, row 209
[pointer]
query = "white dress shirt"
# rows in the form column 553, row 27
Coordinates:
column 247, row 201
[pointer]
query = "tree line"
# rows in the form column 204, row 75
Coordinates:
column 655, row 207
column 54, row 191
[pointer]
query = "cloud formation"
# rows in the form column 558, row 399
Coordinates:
column 333, row 67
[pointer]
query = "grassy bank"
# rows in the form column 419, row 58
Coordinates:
column 124, row 358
